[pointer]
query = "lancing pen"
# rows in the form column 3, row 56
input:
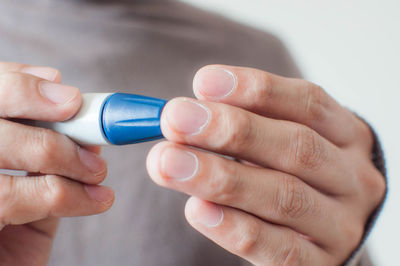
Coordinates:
column 112, row 119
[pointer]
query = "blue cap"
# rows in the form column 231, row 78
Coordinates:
column 130, row 118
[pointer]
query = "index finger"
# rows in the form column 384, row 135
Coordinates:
column 280, row 98
column 281, row 145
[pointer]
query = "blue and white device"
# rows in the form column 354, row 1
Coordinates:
column 113, row 118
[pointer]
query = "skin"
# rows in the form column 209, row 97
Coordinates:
column 295, row 185
column 301, row 184
column 62, row 177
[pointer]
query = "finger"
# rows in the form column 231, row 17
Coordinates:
column 46, row 226
column 280, row 98
column 32, row 238
column 281, row 145
column 94, row 149
column 270, row 195
column 27, row 199
column 29, row 97
column 41, row 150
column 47, row 73
column 252, row 239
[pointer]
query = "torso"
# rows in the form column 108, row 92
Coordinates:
column 151, row 48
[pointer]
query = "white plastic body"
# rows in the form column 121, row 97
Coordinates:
column 86, row 126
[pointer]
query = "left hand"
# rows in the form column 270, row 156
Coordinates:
column 303, row 185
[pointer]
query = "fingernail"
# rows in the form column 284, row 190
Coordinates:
column 188, row 117
column 179, row 164
column 91, row 160
column 99, row 193
column 57, row 93
column 41, row 72
column 209, row 214
column 215, row 83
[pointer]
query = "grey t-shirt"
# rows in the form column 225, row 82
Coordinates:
column 145, row 47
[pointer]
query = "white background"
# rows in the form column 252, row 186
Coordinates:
column 351, row 48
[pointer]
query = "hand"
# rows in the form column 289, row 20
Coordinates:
column 302, row 185
column 62, row 176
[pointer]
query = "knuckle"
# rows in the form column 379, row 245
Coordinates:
column 45, row 147
column 264, row 89
column 11, row 92
column 10, row 66
column 363, row 133
column 315, row 102
column 347, row 232
column 8, row 81
column 290, row 253
column 248, row 241
column 378, row 187
column 224, row 186
column 236, row 131
column 7, row 198
column 373, row 183
column 56, row 194
column 309, row 150
column 292, row 200
column 352, row 233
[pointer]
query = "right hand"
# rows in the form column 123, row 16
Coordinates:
column 62, row 177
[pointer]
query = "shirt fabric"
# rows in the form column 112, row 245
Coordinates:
column 150, row 47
